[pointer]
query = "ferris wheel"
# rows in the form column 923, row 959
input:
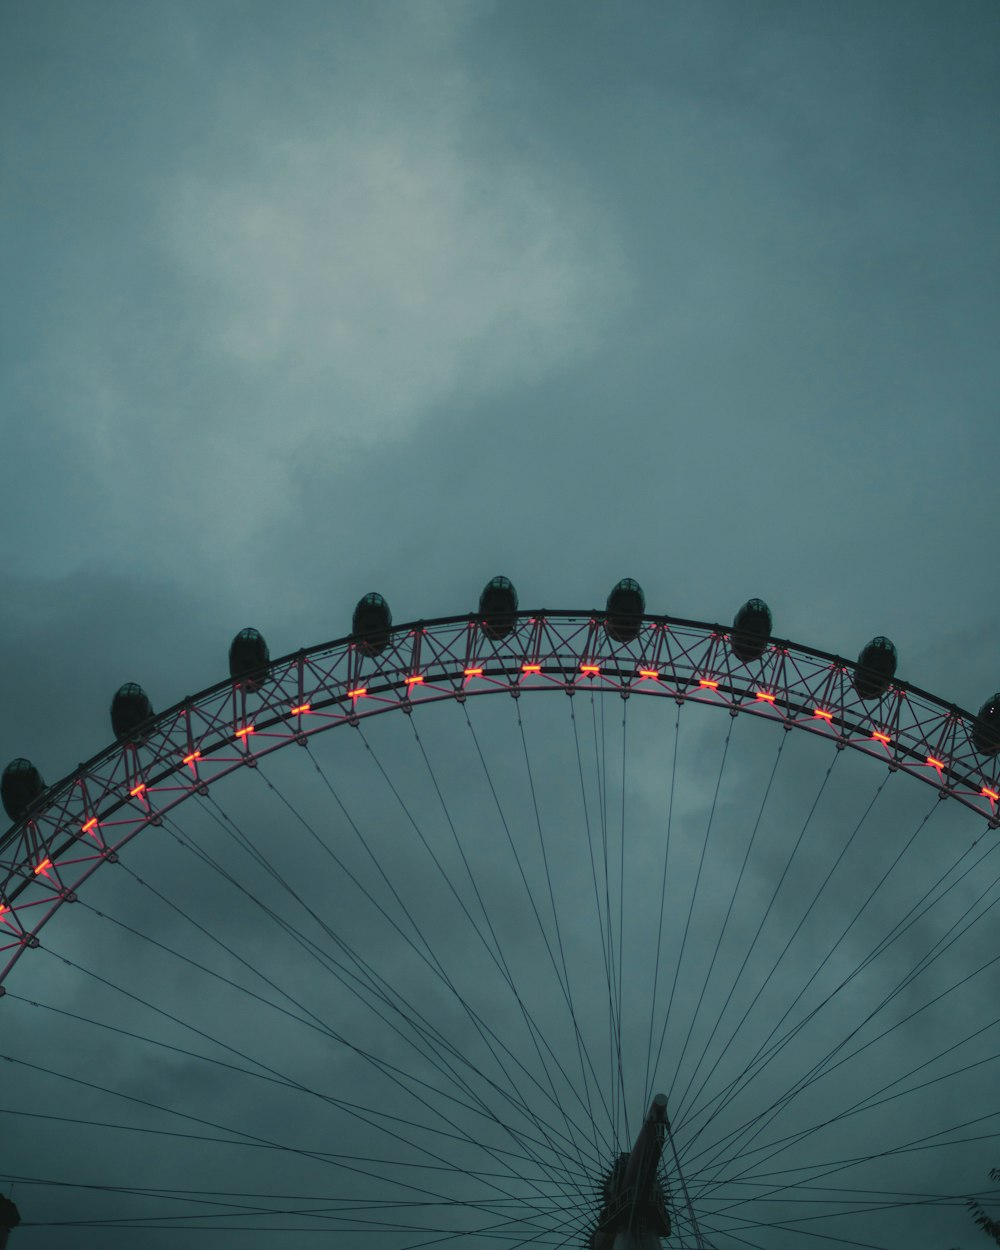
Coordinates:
column 630, row 966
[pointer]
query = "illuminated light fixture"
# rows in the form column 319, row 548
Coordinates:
column 91, row 824
column 935, row 763
column 415, row 679
column 880, row 737
column 303, row 708
column 765, row 696
column 823, row 715
column 592, row 670
column 531, row 668
column 708, row 683
column 136, row 792
column 358, row 692
column 473, row 672
column 990, row 794
column 652, row 673
column 43, row 867
column 190, row 759
column 247, row 729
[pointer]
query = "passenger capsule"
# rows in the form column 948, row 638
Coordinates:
column 624, row 608
column 130, row 710
column 372, row 624
column 986, row 727
column 498, row 607
column 20, row 787
column 248, row 658
column 751, row 630
column 875, row 670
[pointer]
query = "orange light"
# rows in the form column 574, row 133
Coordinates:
column 818, row 711
column 938, row 764
column 531, row 668
column 302, row 709
column 880, row 737
column 652, row 673
column 358, row 692
column 592, row 670
column 44, row 867
column 415, row 679
column 473, row 672
column 136, row 792
column 765, row 695
column 190, row 759
column 991, row 794
column 708, row 684
column 247, row 729
column 91, row 823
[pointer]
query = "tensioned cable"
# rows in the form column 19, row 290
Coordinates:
column 529, row 1021
column 813, row 1077
column 502, row 968
column 388, row 1070
column 361, row 1113
column 678, row 1113
column 614, row 1024
column 432, row 962
column 313, row 1021
column 691, row 905
column 895, row 933
column 580, row 1044
column 857, row 828
column 479, row 1024
column 604, row 935
column 764, row 919
column 647, row 1092
column 621, row 917
column 870, row 1101
column 514, row 851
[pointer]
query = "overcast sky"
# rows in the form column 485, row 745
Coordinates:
column 305, row 301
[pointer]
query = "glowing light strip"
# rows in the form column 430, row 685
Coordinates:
column 822, row 714
column 592, row 670
column 935, row 763
column 531, row 668
column 880, row 737
column 91, row 824
column 138, row 790
column 415, row 679
column 473, row 672
column 991, row 794
column 242, row 733
column 652, row 673
column 708, row 683
column 358, row 692
column 44, row 867
column 305, row 707
column 190, row 759
column 765, row 696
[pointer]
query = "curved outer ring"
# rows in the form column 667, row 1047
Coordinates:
column 84, row 820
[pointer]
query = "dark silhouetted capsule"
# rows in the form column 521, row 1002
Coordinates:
column 248, row 658
column 625, row 607
column 986, row 727
column 876, row 667
column 130, row 710
column 372, row 624
column 498, row 607
column 20, row 786
column 751, row 630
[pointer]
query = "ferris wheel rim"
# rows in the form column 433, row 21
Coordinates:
column 63, row 839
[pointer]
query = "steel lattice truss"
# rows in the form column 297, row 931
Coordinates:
column 84, row 820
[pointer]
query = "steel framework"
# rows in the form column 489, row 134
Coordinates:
column 84, row 820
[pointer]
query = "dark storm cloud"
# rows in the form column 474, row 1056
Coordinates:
column 298, row 307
